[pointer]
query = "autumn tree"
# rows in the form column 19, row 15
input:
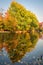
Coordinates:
column 10, row 22
column 25, row 18
column 17, row 18
column 1, row 22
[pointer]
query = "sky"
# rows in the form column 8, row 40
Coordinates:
column 35, row 6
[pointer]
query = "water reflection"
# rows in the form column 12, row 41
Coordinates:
column 17, row 45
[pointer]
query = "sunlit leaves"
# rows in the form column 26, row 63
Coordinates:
column 17, row 18
column 24, row 17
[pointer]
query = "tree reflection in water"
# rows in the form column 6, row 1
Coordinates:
column 17, row 45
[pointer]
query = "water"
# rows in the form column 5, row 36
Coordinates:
column 21, row 49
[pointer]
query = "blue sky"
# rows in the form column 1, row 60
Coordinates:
column 35, row 6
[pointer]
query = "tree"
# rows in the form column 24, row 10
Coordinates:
column 10, row 22
column 18, row 18
column 25, row 19
column 1, row 22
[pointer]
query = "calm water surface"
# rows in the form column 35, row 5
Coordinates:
column 21, row 49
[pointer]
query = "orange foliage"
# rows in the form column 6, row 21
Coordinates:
column 1, row 17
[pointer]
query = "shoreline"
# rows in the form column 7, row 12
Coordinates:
column 19, row 32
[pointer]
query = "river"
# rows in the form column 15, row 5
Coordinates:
column 21, row 49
